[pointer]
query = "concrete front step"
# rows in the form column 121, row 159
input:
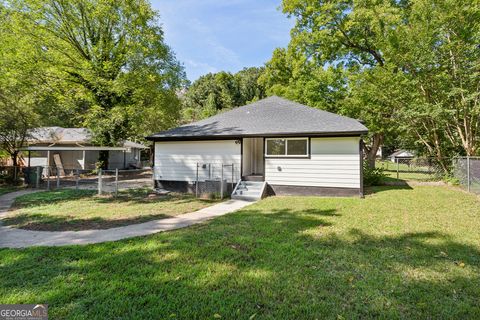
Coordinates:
column 250, row 188
column 245, row 198
column 251, row 184
column 253, row 178
column 249, row 191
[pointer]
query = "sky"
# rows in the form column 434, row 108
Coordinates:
column 222, row 35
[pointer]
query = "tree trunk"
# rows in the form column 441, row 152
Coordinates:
column 372, row 149
column 14, row 157
column 103, row 159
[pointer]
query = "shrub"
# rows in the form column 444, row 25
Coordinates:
column 372, row 176
column 450, row 179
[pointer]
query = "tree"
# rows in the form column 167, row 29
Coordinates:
column 291, row 75
column 346, row 37
column 16, row 119
column 248, row 86
column 20, row 90
column 438, row 51
column 410, row 68
column 109, row 60
column 215, row 92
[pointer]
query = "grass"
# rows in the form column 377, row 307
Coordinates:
column 407, row 173
column 8, row 188
column 399, row 253
column 69, row 209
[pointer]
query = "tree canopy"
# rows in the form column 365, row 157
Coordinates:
column 409, row 69
column 215, row 92
column 106, row 62
column 21, row 92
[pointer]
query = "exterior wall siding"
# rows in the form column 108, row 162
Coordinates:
column 334, row 162
column 177, row 160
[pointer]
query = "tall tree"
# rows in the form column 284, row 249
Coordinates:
column 215, row 92
column 292, row 75
column 20, row 90
column 110, row 60
column 411, row 67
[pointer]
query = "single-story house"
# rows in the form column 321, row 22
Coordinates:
column 72, row 148
column 289, row 147
column 402, row 155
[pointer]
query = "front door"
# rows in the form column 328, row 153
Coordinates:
column 252, row 157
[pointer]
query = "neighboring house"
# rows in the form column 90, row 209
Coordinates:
column 295, row 149
column 401, row 155
column 72, row 148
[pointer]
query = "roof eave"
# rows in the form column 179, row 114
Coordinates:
column 268, row 135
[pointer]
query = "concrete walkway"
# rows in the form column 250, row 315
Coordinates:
column 18, row 238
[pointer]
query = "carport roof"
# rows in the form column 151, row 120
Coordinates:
column 273, row 116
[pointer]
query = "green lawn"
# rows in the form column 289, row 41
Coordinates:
column 7, row 188
column 406, row 172
column 398, row 253
column 69, row 209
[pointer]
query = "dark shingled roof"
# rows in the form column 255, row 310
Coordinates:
column 272, row 116
column 59, row 135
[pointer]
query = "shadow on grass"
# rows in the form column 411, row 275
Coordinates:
column 75, row 222
column 41, row 222
column 143, row 195
column 377, row 189
column 253, row 263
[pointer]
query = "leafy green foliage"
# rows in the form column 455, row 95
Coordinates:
column 372, row 176
column 221, row 91
column 21, row 92
column 409, row 69
column 107, row 62
column 291, row 75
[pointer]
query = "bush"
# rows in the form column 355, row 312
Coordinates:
column 451, row 180
column 372, row 176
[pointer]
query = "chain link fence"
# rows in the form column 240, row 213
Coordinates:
column 214, row 179
column 419, row 169
column 467, row 171
column 51, row 177
column 11, row 175
column 205, row 180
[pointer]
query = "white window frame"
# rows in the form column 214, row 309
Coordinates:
column 307, row 155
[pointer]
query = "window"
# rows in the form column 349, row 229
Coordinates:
column 286, row 147
column 276, row 147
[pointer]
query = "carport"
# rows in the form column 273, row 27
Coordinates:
column 80, row 157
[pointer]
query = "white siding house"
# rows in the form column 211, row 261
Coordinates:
column 295, row 149
column 177, row 161
column 333, row 162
